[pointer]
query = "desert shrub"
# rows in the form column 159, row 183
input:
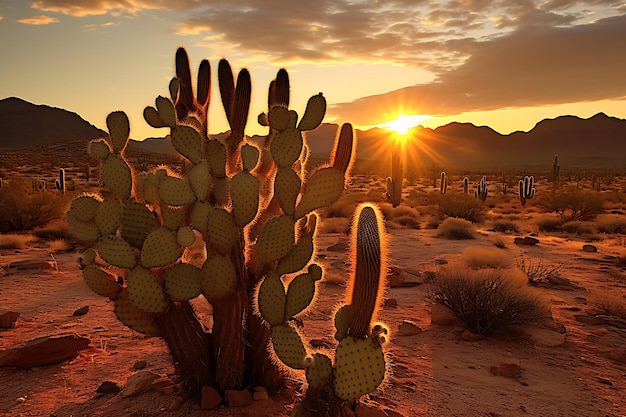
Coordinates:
column 21, row 210
column 487, row 301
column 504, row 226
column 612, row 305
column 460, row 206
column 402, row 215
column 573, row 204
column 334, row 225
column 479, row 258
column 549, row 224
column 611, row 224
column 499, row 243
column 536, row 270
column 456, row 229
column 406, row 221
column 14, row 241
column 55, row 230
column 578, row 227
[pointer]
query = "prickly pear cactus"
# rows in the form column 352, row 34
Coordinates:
column 250, row 206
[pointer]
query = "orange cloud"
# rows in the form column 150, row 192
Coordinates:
column 38, row 20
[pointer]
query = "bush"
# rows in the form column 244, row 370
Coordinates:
column 460, row 206
column 14, row 241
column 578, row 227
column 487, row 301
column 536, row 271
column 479, row 258
column 503, row 226
column 573, row 204
column 549, row 224
column 455, row 229
column 611, row 224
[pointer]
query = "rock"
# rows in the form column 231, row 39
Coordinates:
column 442, row 315
column 589, row 248
column 399, row 277
column 138, row 383
column 441, row 261
column 44, row 351
column 526, row 241
column 260, row 394
column 8, row 319
column 508, row 370
column 408, row 328
column 140, row 365
column 545, row 337
column 618, row 355
column 108, row 387
column 338, row 247
column 20, row 400
column 238, row 398
column 81, row 311
column 391, row 303
column 558, row 280
column 590, row 320
column 176, row 403
column 163, row 385
column 605, row 381
column 210, row 398
column 470, row 336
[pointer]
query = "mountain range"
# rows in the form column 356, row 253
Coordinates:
column 598, row 142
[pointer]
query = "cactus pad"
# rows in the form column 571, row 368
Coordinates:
column 245, row 197
column 160, row 248
column 182, row 282
column 185, row 236
column 151, row 115
column 218, row 277
column 342, row 322
column 88, row 257
column 199, row 217
column 217, row 158
column 101, row 282
column 314, row 113
column 221, row 190
column 249, row 157
column 286, row 147
column 188, row 142
column 137, row 221
column 99, row 149
column 301, row 292
column 145, row 291
column 116, row 176
column 119, row 129
column 109, row 216
column 276, row 239
column 176, row 191
column 359, row 368
column 173, row 217
column 278, row 117
column 200, row 179
column 287, row 186
column 271, row 299
column 84, row 207
column 320, row 372
column 134, row 317
column 288, row 346
column 222, row 230
column 116, row 251
column 87, row 231
column 322, row 189
column 166, row 110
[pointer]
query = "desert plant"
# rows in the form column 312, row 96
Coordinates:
column 556, row 169
column 482, row 189
column 480, row 258
column 526, row 189
column 487, row 301
column 460, row 206
column 536, row 270
column 611, row 224
column 456, row 229
column 505, row 226
column 443, row 186
column 573, row 204
column 394, row 183
column 253, row 209
column 465, row 185
column 60, row 182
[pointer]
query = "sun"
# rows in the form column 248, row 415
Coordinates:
column 404, row 123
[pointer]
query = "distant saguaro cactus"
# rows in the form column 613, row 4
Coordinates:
column 465, row 185
column 556, row 169
column 60, row 182
column 526, row 189
column 443, row 186
column 394, row 183
column 482, row 189
column 252, row 206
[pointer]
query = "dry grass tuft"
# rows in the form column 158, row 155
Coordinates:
column 456, row 229
column 15, row 241
column 480, row 258
column 612, row 305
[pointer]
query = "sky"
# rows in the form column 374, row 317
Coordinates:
column 506, row 64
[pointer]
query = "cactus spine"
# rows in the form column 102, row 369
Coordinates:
column 526, row 189
column 482, row 189
column 443, row 186
column 252, row 205
column 394, row 183
column 60, row 182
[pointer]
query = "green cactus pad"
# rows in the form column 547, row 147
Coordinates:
column 99, row 148
column 151, row 188
column 279, row 117
column 218, row 277
column 216, row 153
column 116, row 251
column 137, row 221
column 84, row 207
column 271, row 299
column 249, row 156
column 119, row 129
column 200, row 179
column 160, row 248
column 287, row 186
column 300, row 293
column 188, row 142
column 185, row 236
column 359, row 368
column 145, row 291
column 222, row 230
column 182, row 282
column 86, row 231
column 101, row 282
column 245, row 197
column 166, row 110
column 221, row 190
column 298, row 256
column 151, row 116
column 173, row 217
column 176, row 191
column 320, row 372
column 133, row 317
column 276, row 239
column 116, row 176
column 342, row 322
column 109, row 216
column 286, row 147
column 322, row 189
column 288, row 346
column 314, row 113
column 199, row 217
column 88, row 257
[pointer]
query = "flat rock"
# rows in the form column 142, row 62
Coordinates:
column 260, row 394
column 558, row 280
column 526, row 241
column 210, row 398
column 398, row 277
column 590, row 320
column 470, row 336
column 44, row 351
column 545, row 337
column 138, row 383
column 238, row 398
column 408, row 328
column 442, row 315
column 32, row 264
column 508, row 370
column 589, row 248
column 108, row 387
column 164, row 385
column 81, row 311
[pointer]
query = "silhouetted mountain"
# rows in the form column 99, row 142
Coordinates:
column 23, row 125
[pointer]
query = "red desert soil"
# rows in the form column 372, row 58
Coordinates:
column 581, row 372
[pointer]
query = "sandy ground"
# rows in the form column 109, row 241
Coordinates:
column 434, row 373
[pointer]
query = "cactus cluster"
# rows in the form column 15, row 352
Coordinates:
column 482, row 189
column 526, row 189
column 252, row 206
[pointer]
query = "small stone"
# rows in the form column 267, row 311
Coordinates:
column 408, row 328
column 140, row 365
column 442, row 315
column 20, row 400
column 210, row 398
column 441, row 261
column 238, row 398
column 138, row 383
column 589, row 248
column 508, row 370
column 470, row 336
column 558, row 280
column 260, row 394
column 162, row 384
column 108, row 387
column 176, row 403
column 526, row 241
column 605, row 381
column 81, row 311
column 8, row 319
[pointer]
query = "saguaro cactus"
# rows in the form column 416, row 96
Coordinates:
column 443, row 186
column 556, row 169
column 526, row 189
column 60, row 182
column 252, row 206
column 394, row 183
column 465, row 185
column 482, row 189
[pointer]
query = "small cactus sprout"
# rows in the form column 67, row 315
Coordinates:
column 394, row 183
column 443, row 185
column 465, row 185
column 526, row 189
column 482, row 189
column 60, row 182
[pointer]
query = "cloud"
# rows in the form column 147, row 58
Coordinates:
column 535, row 65
column 93, row 27
column 81, row 8
column 38, row 20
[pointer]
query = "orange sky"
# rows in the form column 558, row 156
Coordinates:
column 506, row 64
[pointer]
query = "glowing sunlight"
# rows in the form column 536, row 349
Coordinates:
column 403, row 123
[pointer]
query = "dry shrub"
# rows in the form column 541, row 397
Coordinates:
column 59, row 245
column 499, row 243
column 55, row 230
column 573, row 204
column 488, row 300
column 611, row 224
column 334, row 225
column 505, row 226
column 536, row 270
column 480, row 258
column 578, row 227
column 549, row 224
column 14, row 241
column 612, row 305
column 456, row 229
column 461, row 206
column 405, row 221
